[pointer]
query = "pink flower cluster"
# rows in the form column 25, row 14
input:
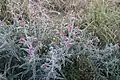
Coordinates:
column 67, row 40
column 30, row 47
column 71, row 34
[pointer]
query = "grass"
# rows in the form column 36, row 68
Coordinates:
column 104, row 20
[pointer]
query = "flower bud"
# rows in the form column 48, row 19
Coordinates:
column 63, row 36
column 46, row 65
column 67, row 45
column 22, row 39
column 22, row 25
column 30, row 48
column 58, row 33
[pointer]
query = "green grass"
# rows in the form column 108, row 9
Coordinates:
column 104, row 20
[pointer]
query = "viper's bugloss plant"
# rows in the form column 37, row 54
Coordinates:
column 34, row 50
